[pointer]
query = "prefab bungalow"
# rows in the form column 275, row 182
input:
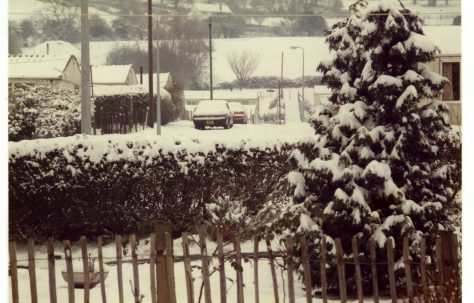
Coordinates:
column 55, row 71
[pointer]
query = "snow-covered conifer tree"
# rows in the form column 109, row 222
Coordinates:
column 384, row 159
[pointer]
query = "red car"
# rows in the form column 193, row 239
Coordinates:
column 239, row 112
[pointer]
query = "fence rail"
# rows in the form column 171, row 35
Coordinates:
column 161, row 260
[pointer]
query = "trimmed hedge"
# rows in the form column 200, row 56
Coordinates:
column 67, row 187
column 120, row 104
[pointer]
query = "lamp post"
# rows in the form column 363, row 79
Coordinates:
column 302, row 81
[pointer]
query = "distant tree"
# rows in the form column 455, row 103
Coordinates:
column 243, row 64
column 431, row 2
column 337, row 6
column 310, row 25
column 27, row 29
column 131, row 27
column 14, row 39
column 61, row 20
column 183, row 52
column 98, row 27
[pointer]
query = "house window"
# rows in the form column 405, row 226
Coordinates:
column 452, row 90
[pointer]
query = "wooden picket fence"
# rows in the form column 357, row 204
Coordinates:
column 162, row 259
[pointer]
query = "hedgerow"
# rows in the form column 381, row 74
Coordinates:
column 67, row 187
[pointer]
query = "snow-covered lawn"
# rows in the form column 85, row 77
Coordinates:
column 111, row 283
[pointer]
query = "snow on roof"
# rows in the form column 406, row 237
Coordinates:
column 212, row 8
column 110, row 74
column 447, row 38
column 164, row 77
column 56, row 48
column 37, row 66
column 109, row 90
column 220, row 94
column 273, row 21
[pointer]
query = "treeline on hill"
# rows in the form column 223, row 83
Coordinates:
column 60, row 20
column 270, row 82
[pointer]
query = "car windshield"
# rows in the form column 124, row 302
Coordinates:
column 236, row 107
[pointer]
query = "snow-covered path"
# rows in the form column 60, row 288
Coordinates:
column 292, row 108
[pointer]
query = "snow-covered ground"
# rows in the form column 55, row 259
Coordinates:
column 292, row 108
column 111, row 283
column 448, row 38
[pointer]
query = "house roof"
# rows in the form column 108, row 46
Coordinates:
column 110, row 74
column 37, row 66
column 56, row 48
column 164, row 77
column 109, row 90
column 213, row 8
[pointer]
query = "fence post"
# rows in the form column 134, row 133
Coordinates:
column 69, row 270
column 355, row 253
column 340, row 271
column 170, row 264
column 324, row 285
column 373, row 266
column 152, row 267
column 272, row 268
column 407, row 263
column 162, row 285
column 306, row 268
column 118, row 250
column 14, row 272
column 205, row 264
column 101, row 269
column 255, row 268
column 424, row 282
column 188, row 269
column 439, row 263
column 391, row 272
column 239, row 269
column 52, row 272
column 136, row 280
column 290, row 264
column 31, row 270
column 85, row 266
column 222, row 278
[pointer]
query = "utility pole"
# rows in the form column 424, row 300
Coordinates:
column 280, row 91
column 150, row 68
column 210, row 58
column 86, row 120
column 158, row 86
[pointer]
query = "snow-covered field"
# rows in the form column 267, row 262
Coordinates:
column 448, row 38
column 111, row 283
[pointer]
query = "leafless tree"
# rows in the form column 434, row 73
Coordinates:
column 243, row 64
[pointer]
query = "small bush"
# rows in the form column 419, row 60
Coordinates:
column 42, row 112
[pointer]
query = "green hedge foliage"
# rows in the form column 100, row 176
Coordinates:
column 67, row 187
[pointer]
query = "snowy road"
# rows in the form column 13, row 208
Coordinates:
column 292, row 108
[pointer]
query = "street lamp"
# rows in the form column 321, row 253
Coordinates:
column 302, row 81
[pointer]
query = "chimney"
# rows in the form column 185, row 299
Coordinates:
column 47, row 48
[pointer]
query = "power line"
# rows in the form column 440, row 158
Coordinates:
column 236, row 15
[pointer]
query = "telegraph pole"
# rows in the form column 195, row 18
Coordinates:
column 150, row 68
column 210, row 57
column 158, row 86
column 280, row 91
column 86, row 120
